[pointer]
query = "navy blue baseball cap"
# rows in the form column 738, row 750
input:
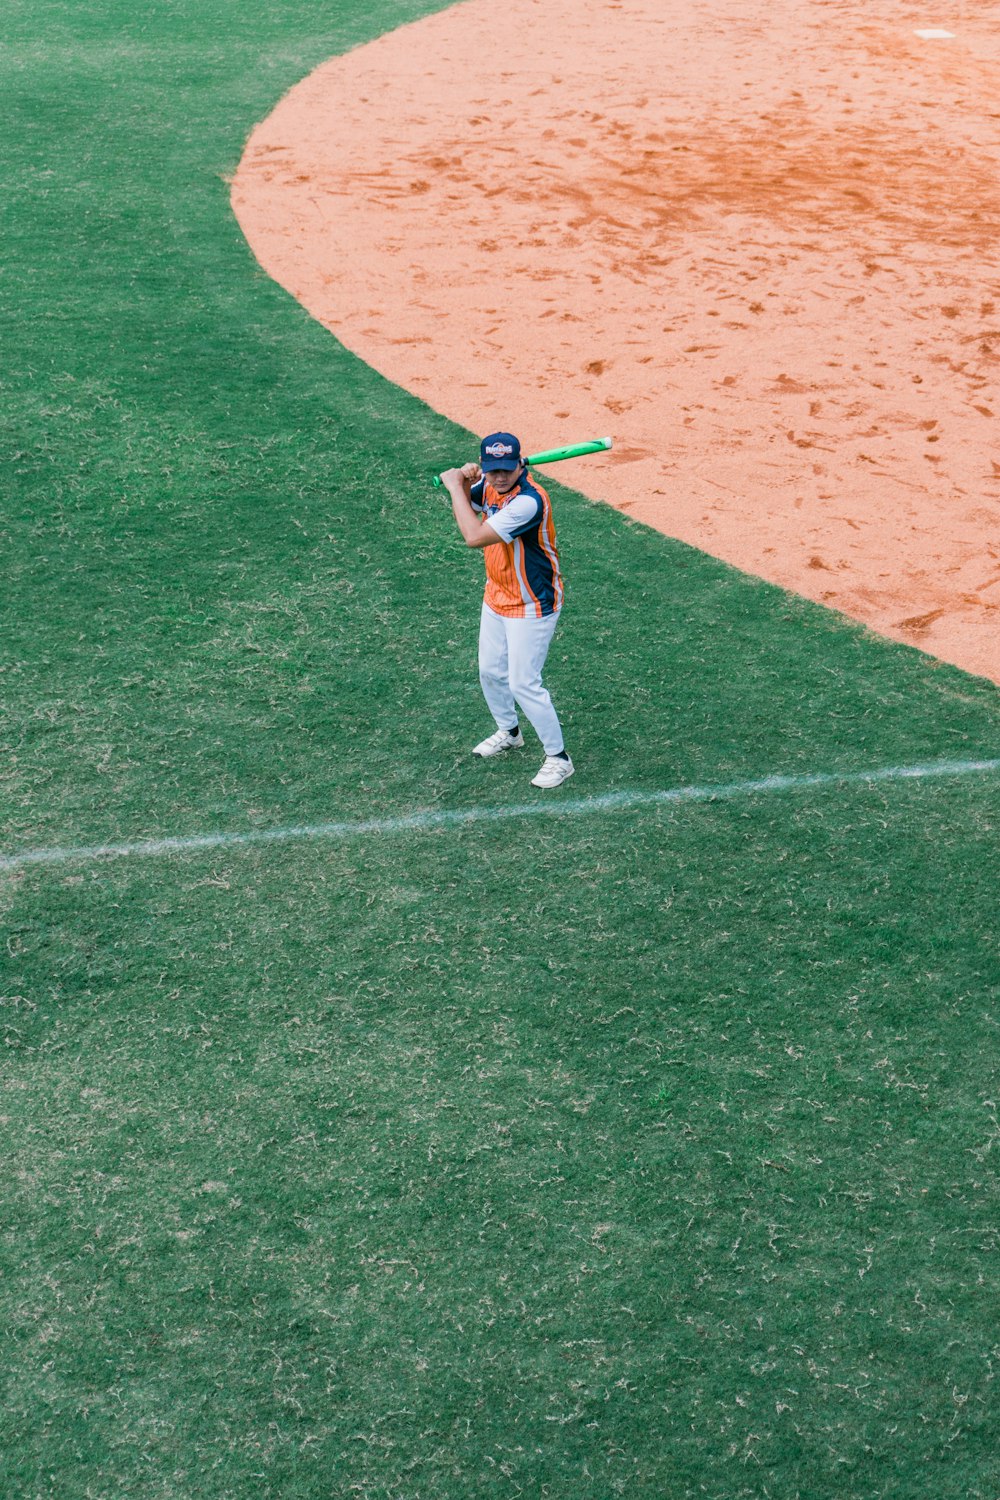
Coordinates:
column 501, row 450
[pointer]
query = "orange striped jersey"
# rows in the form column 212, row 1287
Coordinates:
column 522, row 575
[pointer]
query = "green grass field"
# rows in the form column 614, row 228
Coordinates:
column 647, row 1151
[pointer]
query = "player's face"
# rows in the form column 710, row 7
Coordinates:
column 502, row 480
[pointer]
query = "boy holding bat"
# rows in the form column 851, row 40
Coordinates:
column 499, row 507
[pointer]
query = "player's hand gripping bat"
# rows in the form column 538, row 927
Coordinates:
column 555, row 455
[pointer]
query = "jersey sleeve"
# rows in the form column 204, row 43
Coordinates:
column 476, row 495
column 522, row 514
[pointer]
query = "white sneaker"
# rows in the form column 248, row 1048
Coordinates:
column 555, row 770
column 504, row 739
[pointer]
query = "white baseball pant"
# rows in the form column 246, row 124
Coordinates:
column 512, row 654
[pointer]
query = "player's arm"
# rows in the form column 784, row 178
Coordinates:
column 476, row 530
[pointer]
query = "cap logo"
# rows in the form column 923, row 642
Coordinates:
column 498, row 450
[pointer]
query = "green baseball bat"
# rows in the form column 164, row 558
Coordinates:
column 553, row 455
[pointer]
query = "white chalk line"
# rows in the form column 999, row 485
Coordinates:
column 428, row 820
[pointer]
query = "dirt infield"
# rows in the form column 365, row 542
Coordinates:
column 756, row 243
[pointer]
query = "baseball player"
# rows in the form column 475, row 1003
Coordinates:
column 499, row 506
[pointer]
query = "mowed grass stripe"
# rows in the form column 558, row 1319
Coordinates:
column 428, row 819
